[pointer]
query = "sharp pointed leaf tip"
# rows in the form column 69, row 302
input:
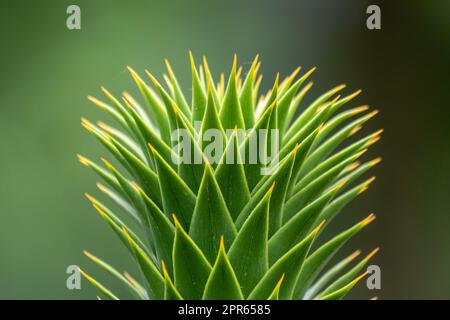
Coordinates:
column 163, row 265
column 107, row 93
column 101, row 187
column 234, row 62
column 319, row 227
column 152, row 149
column 365, row 184
column 353, row 255
column 89, row 255
column 175, row 220
column 373, row 114
column 280, row 281
column 222, row 243
column 133, row 74
column 106, row 162
column 137, row 187
column 89, row 197
column 370, row 255
column 175, row 107
column 355, row 130
column 341, row 184
column 368, row 220
column 152, row 78
column 88, row 277
column 359, row 154
column 359, row 278
column 125, row 232
column 271, row 188
column 102, row 213
column 86, row 124
column 360, row 109
column 353, row 166
column 295, row 149
column 378, row 132
column 83, row 160
column 375, row 161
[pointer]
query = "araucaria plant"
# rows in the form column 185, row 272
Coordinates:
column 208, row 218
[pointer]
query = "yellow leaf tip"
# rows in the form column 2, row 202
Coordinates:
column 83, row 160
column 222, row 242
column 371, row 254
column 353, row 255
column 175, row 220
column 375, row 161
column 368, row 220
column 341, row 184
column 271, row 188
column 320, row 226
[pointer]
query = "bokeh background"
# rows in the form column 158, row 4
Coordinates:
column 47, row 71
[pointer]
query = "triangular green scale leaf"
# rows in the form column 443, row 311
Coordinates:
column 211, row 130
column 117, row 225
column 176, row 195
column 99, row 286
column 229, row 174
column 198, row 95
column 162, row 230
column 120, row 200
column 191, row 268
column 157, row 109
column 248, row 253
column 317, row 261
column 309, row 113
column 128, row 119
column 295, row 104
column 141, row 172
column 105, row 141
column 333, row 142
column 286, row 99
column 131, row 193
column 281, row 178
column 336, row 121
column 342, row 292
column 155, row 282
column 116, row 274
column 116, row 115
column 330, row 275
column 211, row 218
column 342, row 101
column 178, row 93
column 150, row 137
column 303, row 149
column 288, row 265
column 250, row 148
column 359, row 146
column 231, row 112
column 336, row 206
column 210, row 83
column 105, row 175
column 170, row 292
column 222, row 283
column 298, row 226
column 275, row 295
column 348, row 277
column 246, row 98
column 355, row 170
column 168, row 104
column 308, row 193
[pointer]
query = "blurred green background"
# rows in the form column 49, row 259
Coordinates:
column 47, row 71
